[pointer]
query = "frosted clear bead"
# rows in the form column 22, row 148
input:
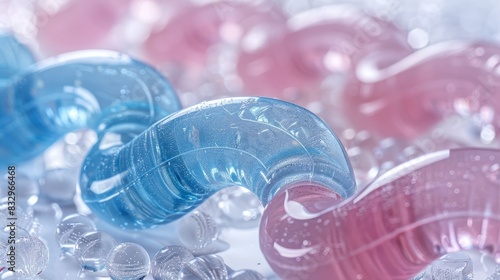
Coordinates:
column 198, row 230
column 246, row 274
column 128, row 261
column 32, row 256
column 239, row 207
column 92, row 249
column 70, row 229
column 168, row 262
column 209, row 267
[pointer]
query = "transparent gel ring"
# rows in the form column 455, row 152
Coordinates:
column 258, row 143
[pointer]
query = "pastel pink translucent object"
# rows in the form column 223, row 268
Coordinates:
column 78, row 24
column 189, row 35
column 408, row 97
column 414, row 214
column 318, row 43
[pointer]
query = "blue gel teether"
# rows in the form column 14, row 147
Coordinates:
column 258, row 143
column 100, row 90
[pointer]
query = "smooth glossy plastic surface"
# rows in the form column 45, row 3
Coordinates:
column 414, row 214
column 101, row 90
column 258, row 143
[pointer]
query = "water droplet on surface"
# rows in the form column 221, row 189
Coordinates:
column 92, row 249
column 128, row 261
column 168, row 262
column 492, row 173
column 209, row 267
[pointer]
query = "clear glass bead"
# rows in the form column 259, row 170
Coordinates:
column 92, row 249
column 456, row 266
column 198, row 230
column 32, row 256
column 239, row 207
column 168, row 262
column 128, row 261
column 209, row 267
column 70, row 229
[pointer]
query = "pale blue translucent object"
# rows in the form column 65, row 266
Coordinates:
column 14, row 58
column 101, row 90
column 259, row 143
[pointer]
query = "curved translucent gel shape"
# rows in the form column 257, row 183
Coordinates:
column 318, row 43
column 408, row 97
column 187, row 37
column 415, row 213
column 77, row 24
column 14, row 57
column 101, row 90
column 258, row 143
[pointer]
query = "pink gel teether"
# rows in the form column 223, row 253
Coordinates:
column 415, row 213
column 318, row 43
column 408, row 97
